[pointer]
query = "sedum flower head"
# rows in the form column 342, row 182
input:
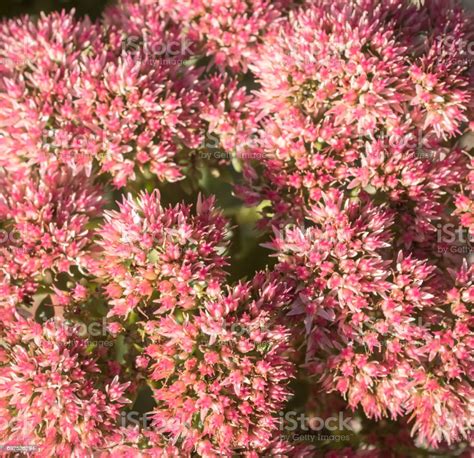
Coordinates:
column 52, row 393
column 228, row 31
column 221, row 372
column 44, row 216
column 73, row 93
column 160, row 257
column 382, row 329
column 351, row 99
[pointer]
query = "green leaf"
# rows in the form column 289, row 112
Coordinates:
column 153, row 256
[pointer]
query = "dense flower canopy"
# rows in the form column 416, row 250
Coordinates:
column 238, row 228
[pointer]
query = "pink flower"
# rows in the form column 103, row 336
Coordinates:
column 341, row 123
column 66, row 96
column 53, row 395
column 45, row 214
column 160, row 257
column 222, row 371
column 388, row 335
column 226, row 30
column 348, row 100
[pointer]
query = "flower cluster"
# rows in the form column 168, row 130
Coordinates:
column 383, row 333
column 71, row 96
column 215, row 354
column 53, row 395
column 161, row 257
column 347, row 102
column 44, row 217
column 221, row 372
column 228, row 31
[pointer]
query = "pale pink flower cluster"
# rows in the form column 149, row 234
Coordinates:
column 44, row 217
column 221, row 395
column 362, row 106
column 70, row 96
column 228, row 31
column 352, row 99
column 161, row 257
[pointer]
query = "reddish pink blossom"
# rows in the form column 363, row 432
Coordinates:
column 226, row 30
column 44, row 215
column 345, row 118
column 67, row 96
column 53, row 395
column 344, row 104
column 160, row 258
column 381, row 332
column 222, row 371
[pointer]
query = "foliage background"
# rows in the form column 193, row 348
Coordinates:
column 11, row 8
